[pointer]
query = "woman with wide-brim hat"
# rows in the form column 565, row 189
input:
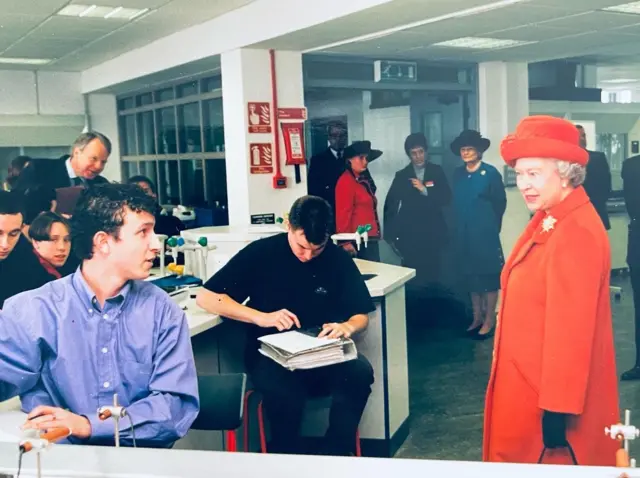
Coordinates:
column 356, row 203
column 479, row 201
column 553, row 385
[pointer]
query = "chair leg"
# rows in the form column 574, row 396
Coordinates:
column 263, row 438
column 358, row 448
column 245, row 420
column 232, row 441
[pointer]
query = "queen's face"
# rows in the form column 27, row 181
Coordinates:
column 540, row 183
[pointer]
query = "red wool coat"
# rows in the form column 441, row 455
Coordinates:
column 554, row 346
column 354, row 206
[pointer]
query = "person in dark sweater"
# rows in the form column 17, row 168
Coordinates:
column 20, row 269
column 165, row 224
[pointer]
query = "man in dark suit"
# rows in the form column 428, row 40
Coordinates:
column 630, row 181
column 597, row 184
column 89, row 155
column 325, row 168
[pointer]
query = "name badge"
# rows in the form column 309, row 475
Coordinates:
column 429, row 184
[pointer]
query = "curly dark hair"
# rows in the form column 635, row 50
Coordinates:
column 102, row 208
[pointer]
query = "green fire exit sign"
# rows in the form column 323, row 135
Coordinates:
column 395, row 71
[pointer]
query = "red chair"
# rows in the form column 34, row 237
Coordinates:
column 261, row 427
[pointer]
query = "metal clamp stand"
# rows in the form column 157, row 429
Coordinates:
column 41, row 442
column 116, row 412
column 624, row 433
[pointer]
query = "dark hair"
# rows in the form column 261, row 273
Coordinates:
column 336, row 124
column 19, row 162
column 85, row 138
column 40, row 229
column 37, row 199
column 11, row 203
column 579, row 126
column 142, row 179
column 415, row 140
column 103, row 208
column 313, row 215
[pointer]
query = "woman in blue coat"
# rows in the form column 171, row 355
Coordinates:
column 479, row 201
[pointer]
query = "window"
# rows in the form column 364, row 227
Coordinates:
column 175, row 136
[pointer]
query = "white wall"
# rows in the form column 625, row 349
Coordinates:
column 246, row 77
column 103, row 117
column 40, row 108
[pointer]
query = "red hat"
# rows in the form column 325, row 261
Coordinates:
column 544, row 137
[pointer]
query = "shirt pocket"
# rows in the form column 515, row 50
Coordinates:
column 135, row 379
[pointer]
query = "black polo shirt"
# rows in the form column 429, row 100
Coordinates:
column 329, row 288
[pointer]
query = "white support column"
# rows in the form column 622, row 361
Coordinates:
column 103, row 113
column 246, row 77
column 503, row 93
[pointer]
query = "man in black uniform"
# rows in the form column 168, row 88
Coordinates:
column 325, row 168
column 630, row 182
column 597, row 184
column 299, row 279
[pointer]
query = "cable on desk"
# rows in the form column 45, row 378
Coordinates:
column 20, row 462
column 133, row 432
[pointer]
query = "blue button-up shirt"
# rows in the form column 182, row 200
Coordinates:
column 58, row 347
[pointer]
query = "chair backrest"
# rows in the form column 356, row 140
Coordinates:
column 221, row 401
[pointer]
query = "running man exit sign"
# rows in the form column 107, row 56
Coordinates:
column 395, row 71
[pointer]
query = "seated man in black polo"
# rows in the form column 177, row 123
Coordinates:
column 299, row 279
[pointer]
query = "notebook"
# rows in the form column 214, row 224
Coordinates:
column 302, row 350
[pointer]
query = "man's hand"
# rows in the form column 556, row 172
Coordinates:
column 351, row 249
column 416, row 183
column 49, row 418
column 336, row 331
column 281, row 320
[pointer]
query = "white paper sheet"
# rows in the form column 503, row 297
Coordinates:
column 294, row 342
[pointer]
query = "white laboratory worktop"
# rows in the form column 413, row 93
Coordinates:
column 74, row 461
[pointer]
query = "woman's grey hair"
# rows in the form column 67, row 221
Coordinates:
column 572, row 172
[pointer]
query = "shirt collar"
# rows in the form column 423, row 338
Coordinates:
column 87, row 294
column 72, row 174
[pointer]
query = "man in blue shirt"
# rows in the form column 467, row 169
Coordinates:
column 67, row 347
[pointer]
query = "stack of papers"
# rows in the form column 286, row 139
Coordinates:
column 295, row 350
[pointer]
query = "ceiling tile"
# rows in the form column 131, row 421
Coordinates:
column 124, row 3
column 18, row 25
column 41, row 8
column 53, row 48
column 583, row 5
column 531, row 33
column 594, row 21
column 73, row 27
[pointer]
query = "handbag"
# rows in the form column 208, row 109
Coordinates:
column 569, row 447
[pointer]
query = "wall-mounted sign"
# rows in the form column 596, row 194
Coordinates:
column 391, row 71
column 263, row 218
column 259, row 117
column 293, row 134
column 292, row 114
column 261, row 158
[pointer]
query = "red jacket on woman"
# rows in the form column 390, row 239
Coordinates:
column 355, row 206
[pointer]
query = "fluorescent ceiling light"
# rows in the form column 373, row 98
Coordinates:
column 97, row 11
column 633, row 8
column 459, row 14
column 24, row 61
column 620, row 80
column 480, row 43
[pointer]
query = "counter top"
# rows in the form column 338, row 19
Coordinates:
column 388, row 278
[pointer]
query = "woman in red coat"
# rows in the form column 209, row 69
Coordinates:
column 553, row 384
column 356, row 203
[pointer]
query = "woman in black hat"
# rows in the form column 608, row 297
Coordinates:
column 479, row 201
column 356, row 203
column 413, row 214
